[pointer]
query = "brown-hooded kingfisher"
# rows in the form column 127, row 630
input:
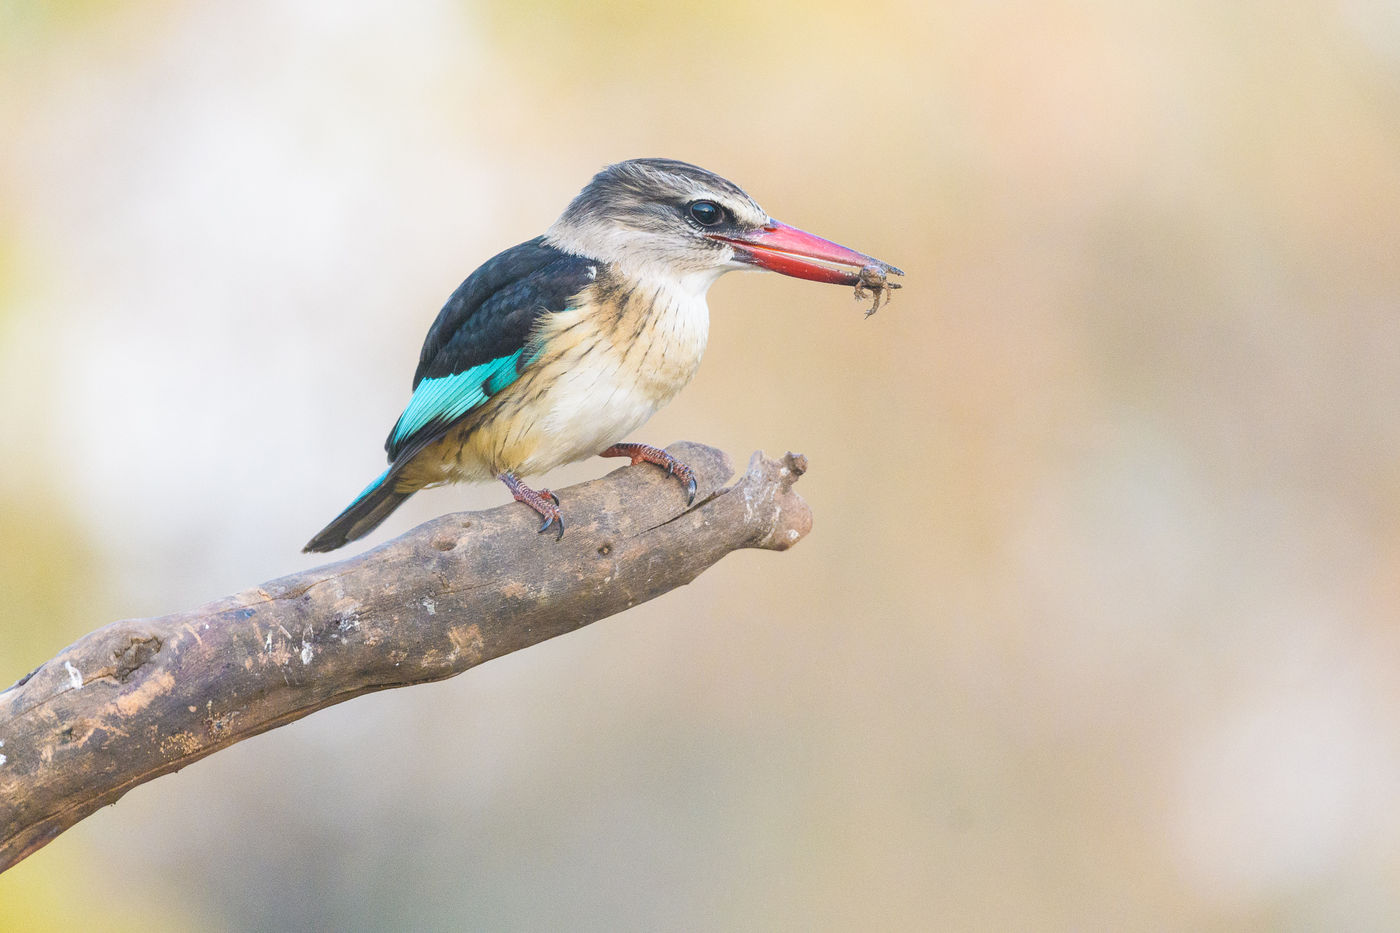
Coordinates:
column 557, row 349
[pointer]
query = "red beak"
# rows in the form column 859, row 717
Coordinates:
column 787, row 250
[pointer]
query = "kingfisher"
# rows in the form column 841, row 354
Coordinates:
column 559, row 348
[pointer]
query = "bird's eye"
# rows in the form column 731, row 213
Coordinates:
column 706, row 213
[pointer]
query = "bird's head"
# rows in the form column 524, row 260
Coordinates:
column 660, row 217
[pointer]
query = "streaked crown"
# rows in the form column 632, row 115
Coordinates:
column 652, row 216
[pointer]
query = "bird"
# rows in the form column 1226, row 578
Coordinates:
column 559, row 348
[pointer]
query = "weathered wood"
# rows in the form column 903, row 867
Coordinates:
column 141, row 698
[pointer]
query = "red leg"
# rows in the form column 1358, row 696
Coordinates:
column 645, row 453
column 542, row 501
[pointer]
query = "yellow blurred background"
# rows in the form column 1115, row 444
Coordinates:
column 1099, row 625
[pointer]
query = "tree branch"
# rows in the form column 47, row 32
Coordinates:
column 141, row 698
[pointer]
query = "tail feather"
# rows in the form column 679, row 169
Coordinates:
column 362, row 516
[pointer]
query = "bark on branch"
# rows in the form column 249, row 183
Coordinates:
column 140, row 698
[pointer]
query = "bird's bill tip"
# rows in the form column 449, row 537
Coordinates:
column 781, row 248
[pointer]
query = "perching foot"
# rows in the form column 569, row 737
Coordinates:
column 541, row 500
column 641, row 453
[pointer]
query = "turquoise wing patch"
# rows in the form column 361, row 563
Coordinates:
column 371, row 487
column 446, row 398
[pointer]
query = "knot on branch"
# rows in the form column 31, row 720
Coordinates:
column 133, row 652
column 780, row 516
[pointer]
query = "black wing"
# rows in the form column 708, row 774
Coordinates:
column 474, row 347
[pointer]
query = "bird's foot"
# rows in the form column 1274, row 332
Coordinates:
column 541, row 500
column 645, row 453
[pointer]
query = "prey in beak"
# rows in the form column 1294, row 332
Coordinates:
column 781, row 248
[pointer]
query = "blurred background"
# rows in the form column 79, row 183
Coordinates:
column 1097, row 628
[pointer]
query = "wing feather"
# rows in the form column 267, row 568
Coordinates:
column 475, row 347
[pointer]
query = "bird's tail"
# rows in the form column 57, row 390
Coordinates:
column 375, row 504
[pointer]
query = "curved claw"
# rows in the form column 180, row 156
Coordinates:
column 552, row 496
column 550, row 520
column 690, row 492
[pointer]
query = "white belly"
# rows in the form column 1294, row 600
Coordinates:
column 607, row 382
